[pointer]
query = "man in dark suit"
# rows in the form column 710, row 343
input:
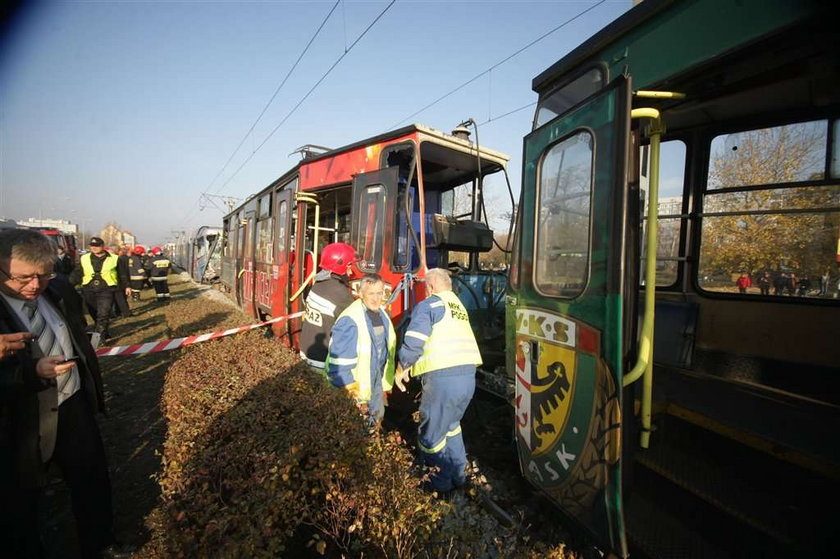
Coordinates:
column 47, row 402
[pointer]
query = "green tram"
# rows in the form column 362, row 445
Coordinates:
column 686, row 405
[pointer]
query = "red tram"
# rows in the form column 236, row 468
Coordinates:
column 406, row 200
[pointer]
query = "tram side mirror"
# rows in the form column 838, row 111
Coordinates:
column 468, row 236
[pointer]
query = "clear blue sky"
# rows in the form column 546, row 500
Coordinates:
column 127, row 111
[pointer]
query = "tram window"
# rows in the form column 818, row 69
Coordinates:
column 782, row 154
column 227, row 248
column 771, row 239
column 240, row 236
column 671, row 178
column 564, row 98
column 265, row 206
column 282, row 217
column 265, row 227
column 371, row 226
column 334, row 218
column 458, row 201
column 404, row 243
column 405, row 256
column 458, row 260
column 562, row 230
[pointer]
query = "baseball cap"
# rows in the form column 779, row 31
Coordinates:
column 96, row 242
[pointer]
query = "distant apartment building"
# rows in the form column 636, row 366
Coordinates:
column 114, row 235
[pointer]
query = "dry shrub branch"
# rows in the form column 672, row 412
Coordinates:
column 264, row 458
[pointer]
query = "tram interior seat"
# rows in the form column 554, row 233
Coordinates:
column 674, row 329
column 675, row 335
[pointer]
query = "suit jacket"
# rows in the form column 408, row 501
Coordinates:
column 20, row 385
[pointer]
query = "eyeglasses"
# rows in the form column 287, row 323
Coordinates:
column 24, row 280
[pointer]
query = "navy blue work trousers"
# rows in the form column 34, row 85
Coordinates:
column 446, row 395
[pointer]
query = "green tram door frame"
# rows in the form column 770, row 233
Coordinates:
column 565, row 311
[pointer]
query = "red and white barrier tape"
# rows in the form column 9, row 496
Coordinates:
column 166, row 345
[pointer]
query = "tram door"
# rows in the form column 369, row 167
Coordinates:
column 374, row 208
column 282, row 268
column 565, row 308
column 245, row 256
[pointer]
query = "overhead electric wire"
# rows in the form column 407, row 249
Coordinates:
column 522, row 108
column 308, row 93
column 496, row 65
column 268, row 104
column 276, row 91
column 340, row 58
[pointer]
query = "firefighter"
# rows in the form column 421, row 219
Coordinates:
column 146, row 259
column 327, row 299
column 160, row 265
column 440, row 348
column 361, row 352
column 136, row 271
column 97, row 273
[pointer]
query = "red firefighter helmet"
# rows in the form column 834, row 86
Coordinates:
column 139, row 250
column 156, row 250
column 337, row 257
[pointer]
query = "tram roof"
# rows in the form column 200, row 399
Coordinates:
column 441, row 152
column 427, row 134
column 657, row 38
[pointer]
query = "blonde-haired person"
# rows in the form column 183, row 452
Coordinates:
column 361, row 350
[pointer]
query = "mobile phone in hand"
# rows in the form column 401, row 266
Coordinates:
column 70, row 359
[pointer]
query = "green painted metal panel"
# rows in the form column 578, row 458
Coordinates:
column 566, row 353
column 677, row 37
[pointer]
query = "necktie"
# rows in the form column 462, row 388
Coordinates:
column 47, row 340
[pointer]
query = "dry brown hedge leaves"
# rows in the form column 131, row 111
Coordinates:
column 263, row 458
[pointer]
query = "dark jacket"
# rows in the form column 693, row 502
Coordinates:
column 325, row 301
column 63, row 265
column 122, row 270
column 136, row 267
column 159, row 266
column 19, row 386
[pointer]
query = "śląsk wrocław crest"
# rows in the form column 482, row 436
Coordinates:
column 567, row 409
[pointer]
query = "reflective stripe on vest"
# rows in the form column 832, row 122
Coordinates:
column 364, row 350
column 108, row 271
column 451, row 342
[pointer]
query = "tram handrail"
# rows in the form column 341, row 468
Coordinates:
column 644, row 359
column 309, row 198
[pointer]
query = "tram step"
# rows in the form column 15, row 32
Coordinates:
column 656, row 532
column 724, row 477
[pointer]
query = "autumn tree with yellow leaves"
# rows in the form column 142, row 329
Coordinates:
column 768, row 203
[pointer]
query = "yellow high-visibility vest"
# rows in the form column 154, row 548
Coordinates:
column 108, row 271
column 451, row 342
column 364, row 350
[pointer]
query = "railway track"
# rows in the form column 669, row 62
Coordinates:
column 494, row 475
